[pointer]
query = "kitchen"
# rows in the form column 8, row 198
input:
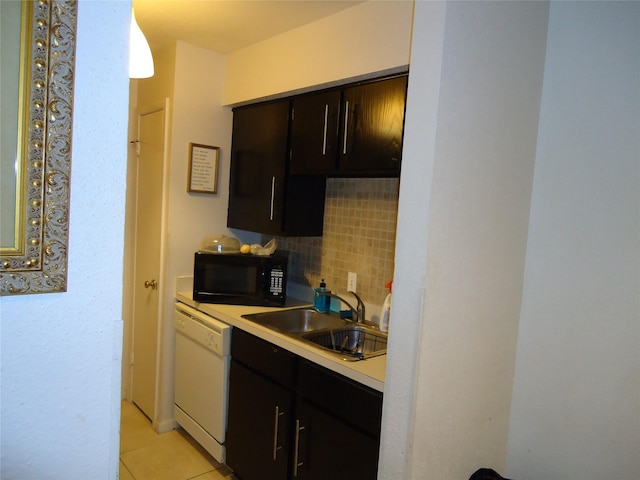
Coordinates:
column 549, row 448
column 191, row 91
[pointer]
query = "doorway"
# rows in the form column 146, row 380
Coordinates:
column 143, row 283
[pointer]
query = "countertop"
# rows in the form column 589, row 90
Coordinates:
column 369, row 372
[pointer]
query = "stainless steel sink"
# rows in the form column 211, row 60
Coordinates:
column 354, row 341
column 298, row 320
column 351, row 341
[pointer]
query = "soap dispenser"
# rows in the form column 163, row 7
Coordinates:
column 321, row 300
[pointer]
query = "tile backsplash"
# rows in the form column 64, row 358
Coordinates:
column 359, row 236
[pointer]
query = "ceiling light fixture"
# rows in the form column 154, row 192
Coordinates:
column 140, row 58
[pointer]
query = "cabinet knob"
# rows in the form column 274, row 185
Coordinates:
column 151, row 284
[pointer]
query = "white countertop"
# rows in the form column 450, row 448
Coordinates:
column 369, row 372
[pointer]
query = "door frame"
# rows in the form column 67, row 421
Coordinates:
column 128, row 280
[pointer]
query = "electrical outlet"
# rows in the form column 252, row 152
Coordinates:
column 352, row 281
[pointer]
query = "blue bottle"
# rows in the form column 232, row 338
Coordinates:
column 321, row 302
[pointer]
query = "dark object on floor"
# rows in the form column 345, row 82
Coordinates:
column 486, row 474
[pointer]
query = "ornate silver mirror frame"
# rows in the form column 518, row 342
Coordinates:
column 36, row 262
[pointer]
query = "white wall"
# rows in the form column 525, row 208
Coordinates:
column 197, row 117
column 576, row 399
column 482, row 151
column 129, row 245
column 415, row 196
column 61, row 352
column 370, row 37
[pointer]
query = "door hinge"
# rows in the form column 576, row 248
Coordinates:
column 137, row 145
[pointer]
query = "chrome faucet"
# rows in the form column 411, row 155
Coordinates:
column 358, row 312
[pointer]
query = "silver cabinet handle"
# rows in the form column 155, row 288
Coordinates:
column 346, row 126
column 324, row 138
column 275, row 433
column 273, row 194
column 297, row 464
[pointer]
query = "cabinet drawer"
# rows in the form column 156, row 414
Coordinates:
column 263, row 357
column 351, row 402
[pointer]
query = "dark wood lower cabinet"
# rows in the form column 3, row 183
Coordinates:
column 258, row 426
column 329, row 448
column 318, row 426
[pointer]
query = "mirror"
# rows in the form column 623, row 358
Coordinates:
column 38, row 54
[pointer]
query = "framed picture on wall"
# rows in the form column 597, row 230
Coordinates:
column 203, row 168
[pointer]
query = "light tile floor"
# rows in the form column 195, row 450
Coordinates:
column 147, row 455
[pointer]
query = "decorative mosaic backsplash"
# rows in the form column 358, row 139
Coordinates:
column 359, row 236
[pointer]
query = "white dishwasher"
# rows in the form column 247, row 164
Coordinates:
column 203, row 346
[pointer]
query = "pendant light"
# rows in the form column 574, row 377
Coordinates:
column 140, row 58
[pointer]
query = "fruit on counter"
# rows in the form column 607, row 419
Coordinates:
column 245, row 248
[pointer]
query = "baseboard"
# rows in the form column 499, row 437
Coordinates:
column 165, row 426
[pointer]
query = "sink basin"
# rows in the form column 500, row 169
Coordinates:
column 354, row 341
column 344, row 338
column 298, row 320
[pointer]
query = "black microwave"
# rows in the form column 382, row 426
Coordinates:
column 239, row 279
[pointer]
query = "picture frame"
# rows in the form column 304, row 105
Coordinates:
column 203, row 168
column 36, row 172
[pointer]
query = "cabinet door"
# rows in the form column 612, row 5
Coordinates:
column 338, row 426
column 258, row 426
column 314, row 132
column 372, row 126
column 350, row 401
column 325, row 447
column 262, row 197
column 258, row 167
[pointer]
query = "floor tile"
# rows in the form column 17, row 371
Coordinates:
column 175, row 455
column 172, row 458
column 135, row 428
column 223, row 473
column 124, row 474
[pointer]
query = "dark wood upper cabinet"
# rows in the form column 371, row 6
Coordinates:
column 262, row 196
column 282, row 152
column 314, row 132
column 352, row 131
column 372, row 126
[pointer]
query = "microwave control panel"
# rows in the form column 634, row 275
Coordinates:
column 276, row 286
